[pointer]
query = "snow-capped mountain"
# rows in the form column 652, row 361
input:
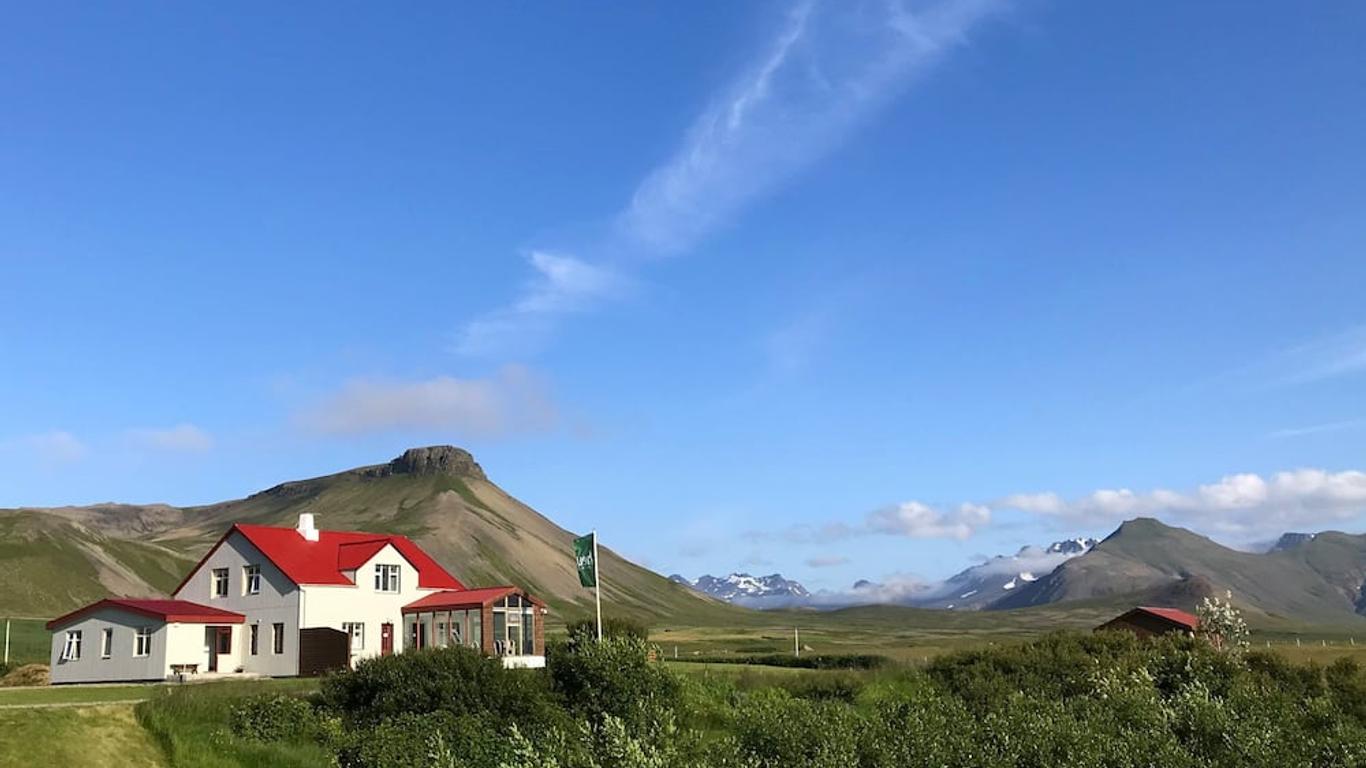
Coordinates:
column 976, row 587
column 740, row 587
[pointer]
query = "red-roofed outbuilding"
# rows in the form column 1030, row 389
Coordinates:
column 1147, row 621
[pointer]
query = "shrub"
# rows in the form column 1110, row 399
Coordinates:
column 612, row 626
column 817, row 661
column 437, row 739
column 613, row 677
column 460, row 681
column 273, row 717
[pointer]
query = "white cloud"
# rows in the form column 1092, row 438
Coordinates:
column 1241, row 505
column 1318, row 429
column 826, row 71
column 181, row 438
column 827, row 562
column 513, row 401
column 55, row 447
column 921, row 521
column 561, row 285
column 829, row 69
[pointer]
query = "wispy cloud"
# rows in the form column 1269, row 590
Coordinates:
column 181, row 438
column 1338, row 354
column 513, row 401
column 561, row 285
column 55, row 447
column 827, row 562
column 827, row 69
column 1318, row 429
column 831, row 66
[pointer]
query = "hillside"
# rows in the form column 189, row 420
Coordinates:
column 1318, row 579
column 55, row 559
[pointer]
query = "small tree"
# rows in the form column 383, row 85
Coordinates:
column 1222, row 624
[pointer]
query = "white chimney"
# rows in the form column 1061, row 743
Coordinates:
column 305, row 527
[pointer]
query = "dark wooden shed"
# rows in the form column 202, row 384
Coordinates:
column 1147, row 621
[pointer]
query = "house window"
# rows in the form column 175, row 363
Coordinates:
column 277, row 638
column 142, row 642
column 220, row 582
column 251, row 579
column 255, row 639
column 357, row 633
column 72, row 650
column 106, row 642
column 386, row 578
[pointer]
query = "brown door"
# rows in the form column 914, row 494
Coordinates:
column 386, row 639
column 221, row 645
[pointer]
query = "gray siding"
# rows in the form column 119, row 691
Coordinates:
column 277, row 602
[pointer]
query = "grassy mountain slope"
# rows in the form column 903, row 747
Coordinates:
column 1319, row 580
column 438, row 496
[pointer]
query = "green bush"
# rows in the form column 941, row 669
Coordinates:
column 612, row 677
column 460, row 681
column 612, row 626
column 273, row 717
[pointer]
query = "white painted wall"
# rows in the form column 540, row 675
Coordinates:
column 278, row 601
column 121, row 664
column 331, row 606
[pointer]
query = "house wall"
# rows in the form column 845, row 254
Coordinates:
column 121, row 664
column 332, row 606
column 278, row 601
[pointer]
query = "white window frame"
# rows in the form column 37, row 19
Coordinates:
column 277, row 638
column 251, row 579
column 142, row 642
column 387, row 578
column 106, row 642
column 214, row 577
column 71, row 651
column 356, row 631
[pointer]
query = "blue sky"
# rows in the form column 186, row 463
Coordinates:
column 846, row 290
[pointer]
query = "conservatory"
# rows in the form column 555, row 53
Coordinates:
column 501, row 621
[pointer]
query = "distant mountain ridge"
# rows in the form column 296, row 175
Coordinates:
column 978, row 586
column 1318, row 577
column 740, row 587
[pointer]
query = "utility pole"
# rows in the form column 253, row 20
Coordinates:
column 796, row 643
column 6, row 641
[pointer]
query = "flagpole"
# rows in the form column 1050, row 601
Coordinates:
column 597, row 581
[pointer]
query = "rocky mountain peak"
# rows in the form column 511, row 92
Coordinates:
column 436, row 460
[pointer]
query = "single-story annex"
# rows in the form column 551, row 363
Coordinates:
column 295, row 601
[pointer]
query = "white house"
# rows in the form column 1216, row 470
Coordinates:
column 290, row 601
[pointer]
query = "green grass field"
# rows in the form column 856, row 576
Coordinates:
column 29, row 641
column 98, row 737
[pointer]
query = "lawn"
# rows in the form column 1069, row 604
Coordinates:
column 105, row 736
column 66, row 694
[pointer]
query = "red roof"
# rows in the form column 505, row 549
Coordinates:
column 466, row 598
column 182, row 611
column 1173, row 615
column 326, row 560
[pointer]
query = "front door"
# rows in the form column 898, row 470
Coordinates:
column 220, row 643
column 386, row 639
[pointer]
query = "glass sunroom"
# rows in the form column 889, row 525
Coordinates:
column 501, row 621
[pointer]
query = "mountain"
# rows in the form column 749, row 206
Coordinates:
column 982, row 584
column 1290, row 541
column 742, row 587
column 56, row 559
column 1319, row 579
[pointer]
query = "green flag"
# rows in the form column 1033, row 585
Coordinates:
column 586, row 554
